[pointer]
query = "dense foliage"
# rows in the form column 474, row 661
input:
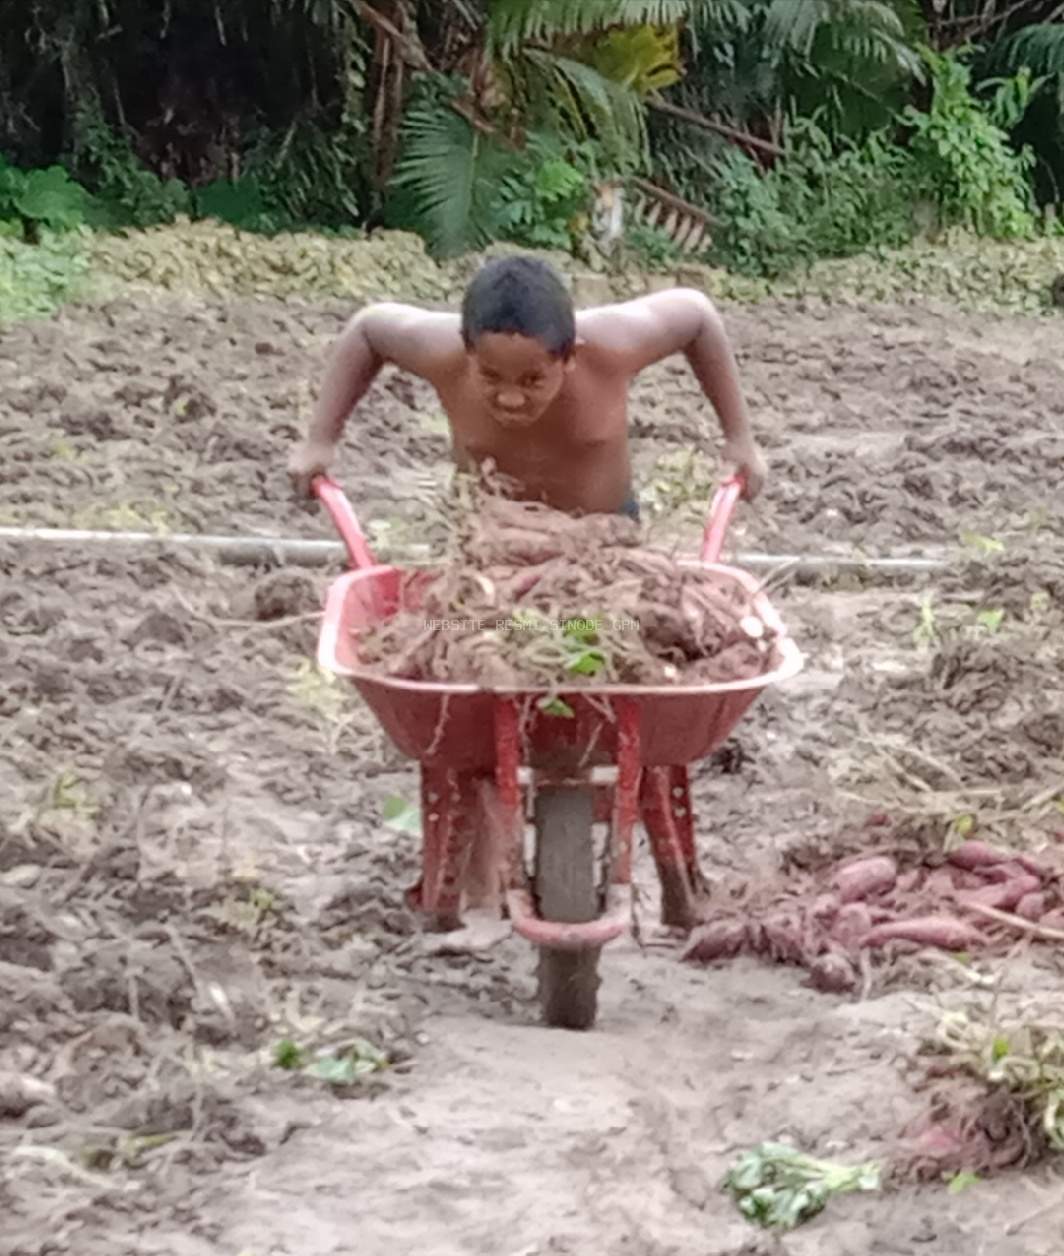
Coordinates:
column 805, row 128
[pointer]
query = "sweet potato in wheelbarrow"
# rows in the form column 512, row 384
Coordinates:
column 489, row 758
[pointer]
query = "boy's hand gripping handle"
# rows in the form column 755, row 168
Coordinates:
column 332, row 497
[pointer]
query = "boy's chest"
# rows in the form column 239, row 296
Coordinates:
column 577, row 422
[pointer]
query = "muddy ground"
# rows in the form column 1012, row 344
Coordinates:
column 195, row 864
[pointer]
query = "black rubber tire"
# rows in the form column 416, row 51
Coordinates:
column 567, row 890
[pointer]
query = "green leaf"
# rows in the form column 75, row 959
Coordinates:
column 446, row 180
column 288, row 1055
column 338, row 1072
column 52, row 197
column 781, row 1187
column 962, row 1181
column 990, row 620
column 401, row 815
column 12, row 185
column 356, row 1064
column 587, row 663
column 1038, row 46
column 587, row 104
column 240, row 202
column 514, row 23
column 583, row 629
column 557, row 180
column 555, row 706
column 963, row 824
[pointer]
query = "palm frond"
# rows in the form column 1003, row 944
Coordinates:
column 792, row 25
column 720, row 14
column 713, row 22
column 512, row 23
column 1038, row 48
column 852, row 36
column 589, row 104
column 445, row 180
column 871, row 33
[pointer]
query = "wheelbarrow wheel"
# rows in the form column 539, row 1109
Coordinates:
column 567, row 891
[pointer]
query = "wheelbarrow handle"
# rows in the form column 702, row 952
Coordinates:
column 720, row 513
column 332, row 497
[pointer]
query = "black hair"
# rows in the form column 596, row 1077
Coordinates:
column 520, row 296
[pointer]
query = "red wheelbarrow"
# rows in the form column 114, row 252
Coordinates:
column 503, row 771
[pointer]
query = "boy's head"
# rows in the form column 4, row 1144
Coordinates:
column 519, row 329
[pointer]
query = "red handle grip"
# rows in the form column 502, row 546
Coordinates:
column 720, row 513
column 332, row 497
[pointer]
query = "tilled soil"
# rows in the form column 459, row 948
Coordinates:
column 886, row 433
column 195, row 864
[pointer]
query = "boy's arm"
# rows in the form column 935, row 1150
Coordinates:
column 413, row 340
column 636, row 334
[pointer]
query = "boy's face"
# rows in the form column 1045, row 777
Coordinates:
column 516, row 376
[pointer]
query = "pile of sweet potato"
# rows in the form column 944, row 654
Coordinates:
column 533, row 598
column 976, row 897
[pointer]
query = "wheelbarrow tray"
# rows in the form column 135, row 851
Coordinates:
column 452, row 725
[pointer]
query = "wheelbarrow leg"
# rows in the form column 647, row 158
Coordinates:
column 449, row 825
column 624, row 800
column 665, row 808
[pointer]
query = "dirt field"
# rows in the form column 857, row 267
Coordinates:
column 195, row 865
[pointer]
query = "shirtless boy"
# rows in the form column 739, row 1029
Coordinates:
column 536, row 387
column 542, row 391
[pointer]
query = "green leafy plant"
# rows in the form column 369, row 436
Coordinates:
column 238, row 202
column 577, row 71
column 288, row 1055
column 779, row 1187
column 1035, row 49
column 1021, row 1056
column 581, row 639
column 36, row 279
column 126, row 192
column 308, row 173
column 360, row 1060
column 963, row 157
column 836, row 197
column 512, row 23
column 821, row 200
column 654, row 247
column 41, row 198
column 445, row 183
column 542, row 198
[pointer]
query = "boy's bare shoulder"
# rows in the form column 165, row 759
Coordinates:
column 646, row 328
column 411, row 338
column 388, row 319
column 648, row 311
